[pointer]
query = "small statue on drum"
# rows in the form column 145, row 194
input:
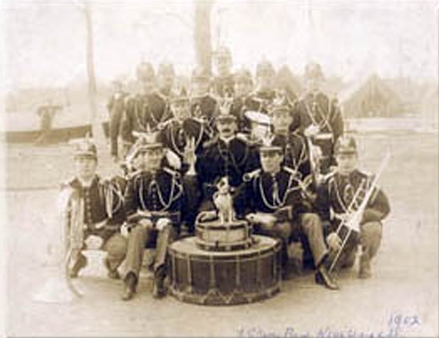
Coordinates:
column 157, row 202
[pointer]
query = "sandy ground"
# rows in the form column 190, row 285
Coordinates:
column 401, row 298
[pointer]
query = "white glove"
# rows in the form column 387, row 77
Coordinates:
column 94, row 242
column 312, row 130
column 334, row 241
column 162, row 223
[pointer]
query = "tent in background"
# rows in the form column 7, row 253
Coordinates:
column 373, row 99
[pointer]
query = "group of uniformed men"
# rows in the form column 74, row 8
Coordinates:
column 296, row 182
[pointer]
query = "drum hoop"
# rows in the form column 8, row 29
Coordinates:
column 222, row 227
column 220, row 299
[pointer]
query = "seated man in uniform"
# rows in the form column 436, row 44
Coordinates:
column 271, row 198
column 93, row 212
column 339, row 198
column 157, row 201
column 227, row 155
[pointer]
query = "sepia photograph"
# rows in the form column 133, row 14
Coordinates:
column 219, row 168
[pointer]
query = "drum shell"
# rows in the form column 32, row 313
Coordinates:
column 225, row 278
column 217, row 237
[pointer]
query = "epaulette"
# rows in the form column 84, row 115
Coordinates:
column 252, row 174
column 172, row 172
column 243, row 137
column 211, row 142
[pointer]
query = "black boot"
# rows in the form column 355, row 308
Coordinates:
column 159, row 290
column 80, row 263
column 323, row 277
column 130, row 284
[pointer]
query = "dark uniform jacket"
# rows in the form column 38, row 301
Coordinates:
column 176, row 134
column 143, row 112
column 205, row 108
column 317, row 109
column 336, row 194
column 163, row 194
column 102, row 201
column 258, row 193
column 295, row 152
column 232, row 159
column 239, row 106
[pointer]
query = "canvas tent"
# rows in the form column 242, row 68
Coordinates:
column 373, row 99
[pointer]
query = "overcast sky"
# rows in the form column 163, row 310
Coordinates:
column 45, row 40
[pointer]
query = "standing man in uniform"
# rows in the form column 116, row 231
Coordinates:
column 223, row 81
column 203, row 105
column 243, row 86
column 157, row 202
column 145, row 110
column 116, row 108
column 339, row 198
column 178, row 133
column 92, row 212
column 319, row 117
column 272, row 199
column 264, row 94
column 166, row 79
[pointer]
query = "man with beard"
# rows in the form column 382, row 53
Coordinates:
column 145, row 110
column 319, row 117
column 223, row 82
column 226, row 155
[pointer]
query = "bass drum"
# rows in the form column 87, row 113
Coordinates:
column 225, row 278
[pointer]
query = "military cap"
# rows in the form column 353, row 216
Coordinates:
column 345, row 145
column 313, row 71
column 265, row 68
column 225, row 118
column 223, row 52
column 84, row 148
column 270, row 146
column 166, row 69
column 145, row 71
column 279, row 108
column 242, row 75
column 200, row 74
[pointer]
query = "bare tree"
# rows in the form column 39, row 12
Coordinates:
column 202, row 33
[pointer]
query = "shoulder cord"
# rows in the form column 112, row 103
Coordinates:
column 166, row 205
column 276, row 204
column 174, row 145
column 235, row 165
